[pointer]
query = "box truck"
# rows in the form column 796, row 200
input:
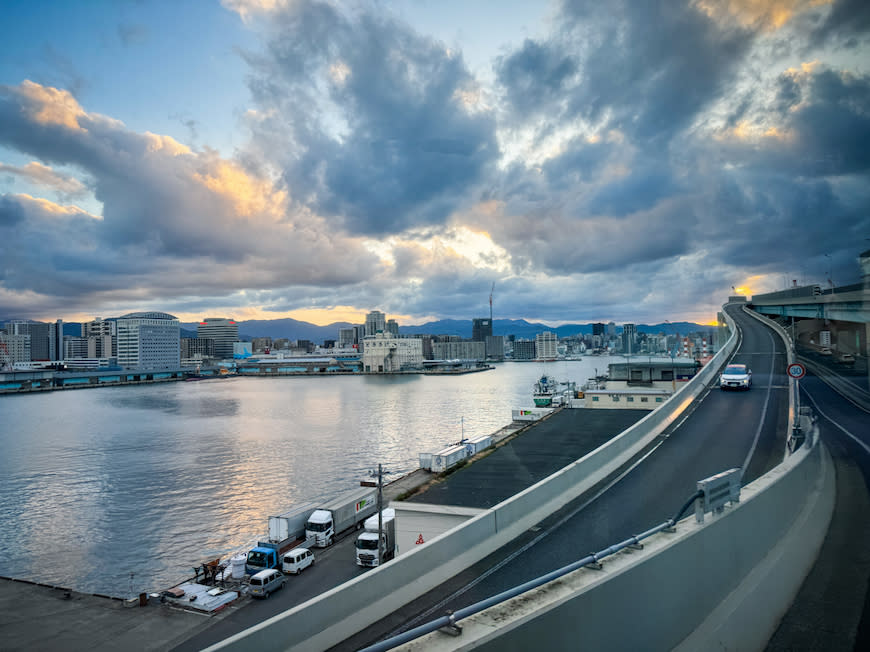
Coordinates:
column 367, row 542
column 286, row 531
column 349, row 510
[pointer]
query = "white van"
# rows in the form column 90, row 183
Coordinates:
column 297, row 560
column 265, row 582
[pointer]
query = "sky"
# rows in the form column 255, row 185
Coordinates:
column 581, row 161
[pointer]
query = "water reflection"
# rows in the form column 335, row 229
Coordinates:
column 155, row 479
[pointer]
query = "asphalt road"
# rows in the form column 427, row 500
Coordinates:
column 723, row 430
column 832, row 608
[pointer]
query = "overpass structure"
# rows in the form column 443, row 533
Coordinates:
column 684, row 588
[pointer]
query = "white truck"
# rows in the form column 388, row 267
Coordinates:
column 285, row 532
column 367, row 542
column 346, row 511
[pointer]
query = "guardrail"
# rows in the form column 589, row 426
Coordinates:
column 339, row 613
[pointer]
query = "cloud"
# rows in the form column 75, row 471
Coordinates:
column 174, row 221
column 374, row 118
column 43, row 175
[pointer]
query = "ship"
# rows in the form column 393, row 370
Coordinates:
column 544, row 389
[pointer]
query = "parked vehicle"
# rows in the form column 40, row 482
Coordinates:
column 347, row 511
column 846, row 358
column 736, row 376
column 297, row 560
column 286, row 531
column 367, row 542
column 266, row 582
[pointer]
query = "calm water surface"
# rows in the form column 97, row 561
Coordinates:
column 119, row 490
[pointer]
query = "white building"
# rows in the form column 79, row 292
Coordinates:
column 383, row 353
column 545, row 346
column 149, row 340
column 224, row 332
column 14, row 349
column 459, row 350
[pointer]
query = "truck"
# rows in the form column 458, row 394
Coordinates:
column 286, row 531
column 367, row 542
column 349, row 510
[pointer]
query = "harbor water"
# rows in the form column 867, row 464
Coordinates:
column 119, row 490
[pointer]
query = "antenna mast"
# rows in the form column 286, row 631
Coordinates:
column 490, row 304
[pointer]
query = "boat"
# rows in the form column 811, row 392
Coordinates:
column 544, row 389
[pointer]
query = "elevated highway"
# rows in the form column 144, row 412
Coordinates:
column 718, row 431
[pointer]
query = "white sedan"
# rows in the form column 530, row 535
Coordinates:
column 736, row 376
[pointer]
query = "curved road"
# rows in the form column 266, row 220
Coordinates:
column 724, row 430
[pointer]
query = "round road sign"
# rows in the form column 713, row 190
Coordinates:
column 796, row 370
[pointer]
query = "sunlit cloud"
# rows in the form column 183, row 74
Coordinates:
column 45, row 176
column 769, row 14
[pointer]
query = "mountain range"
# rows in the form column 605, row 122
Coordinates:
column 294, row 329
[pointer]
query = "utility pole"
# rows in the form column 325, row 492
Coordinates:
column 380, row 515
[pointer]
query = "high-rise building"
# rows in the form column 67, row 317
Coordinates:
column 149, row 340
column 495, row 347
column 75, row 348
column 197, row 347
column 102, row 337
column 224, row 332
column 43, row 337
column 376, row 322
column 345, row 338
column 545, row 346
column 459, row 350
column 13, row 348
column 524, row 349
column 598, row 329
column 393, row 327
column 629, row 338
column 481, row 328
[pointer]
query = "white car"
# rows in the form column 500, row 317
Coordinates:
column 297, row 560
column 736, row 376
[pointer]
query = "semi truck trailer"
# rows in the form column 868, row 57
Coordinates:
column 330, row 520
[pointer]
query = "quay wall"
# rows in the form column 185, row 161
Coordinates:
column 330, row 618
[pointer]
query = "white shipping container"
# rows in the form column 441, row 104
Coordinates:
column 444, row 459
column 426, row 461
column 529, row 414
column 480, row 443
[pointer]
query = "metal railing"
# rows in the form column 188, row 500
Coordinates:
column 593, row 561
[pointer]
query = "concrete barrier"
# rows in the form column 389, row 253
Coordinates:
column 721, row 585
column 339, row 613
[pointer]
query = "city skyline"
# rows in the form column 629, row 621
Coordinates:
column 260, row 159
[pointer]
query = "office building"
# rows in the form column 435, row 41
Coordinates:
column 524, row 350
column 43, row 337
column 495, row 347
column 545, row 346
column 457, row 350
column 629, row 338
column 346, row 338
column 102, row 337
column 376, row 322
column 197, row 348
column 481, row 328
column 13, row 349
column 75, row 348
column 393, row 327
column 224, row 332
column 149, row 340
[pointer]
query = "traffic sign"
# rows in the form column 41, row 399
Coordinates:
column 796, row 370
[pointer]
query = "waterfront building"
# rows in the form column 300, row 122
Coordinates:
column 458, row 350
column 346, row 338
column 102, row 337
column 224, row 332
column 524, row 350
column 75, row 348
column 149, row 340
column 375, row 323
column 383, row 353
column 481, row 328
column 261, row 344
column 197, row 348
column 43, row 337
column 545, row 346
column 495, row 347
column 14, row 349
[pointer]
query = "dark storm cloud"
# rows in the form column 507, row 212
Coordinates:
column 848, row 23
column 380, row 132
column 646, row 69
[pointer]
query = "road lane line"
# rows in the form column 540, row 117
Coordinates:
column 827, row 418
column 763, row 411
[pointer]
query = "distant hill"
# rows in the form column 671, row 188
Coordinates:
column 294, row 329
